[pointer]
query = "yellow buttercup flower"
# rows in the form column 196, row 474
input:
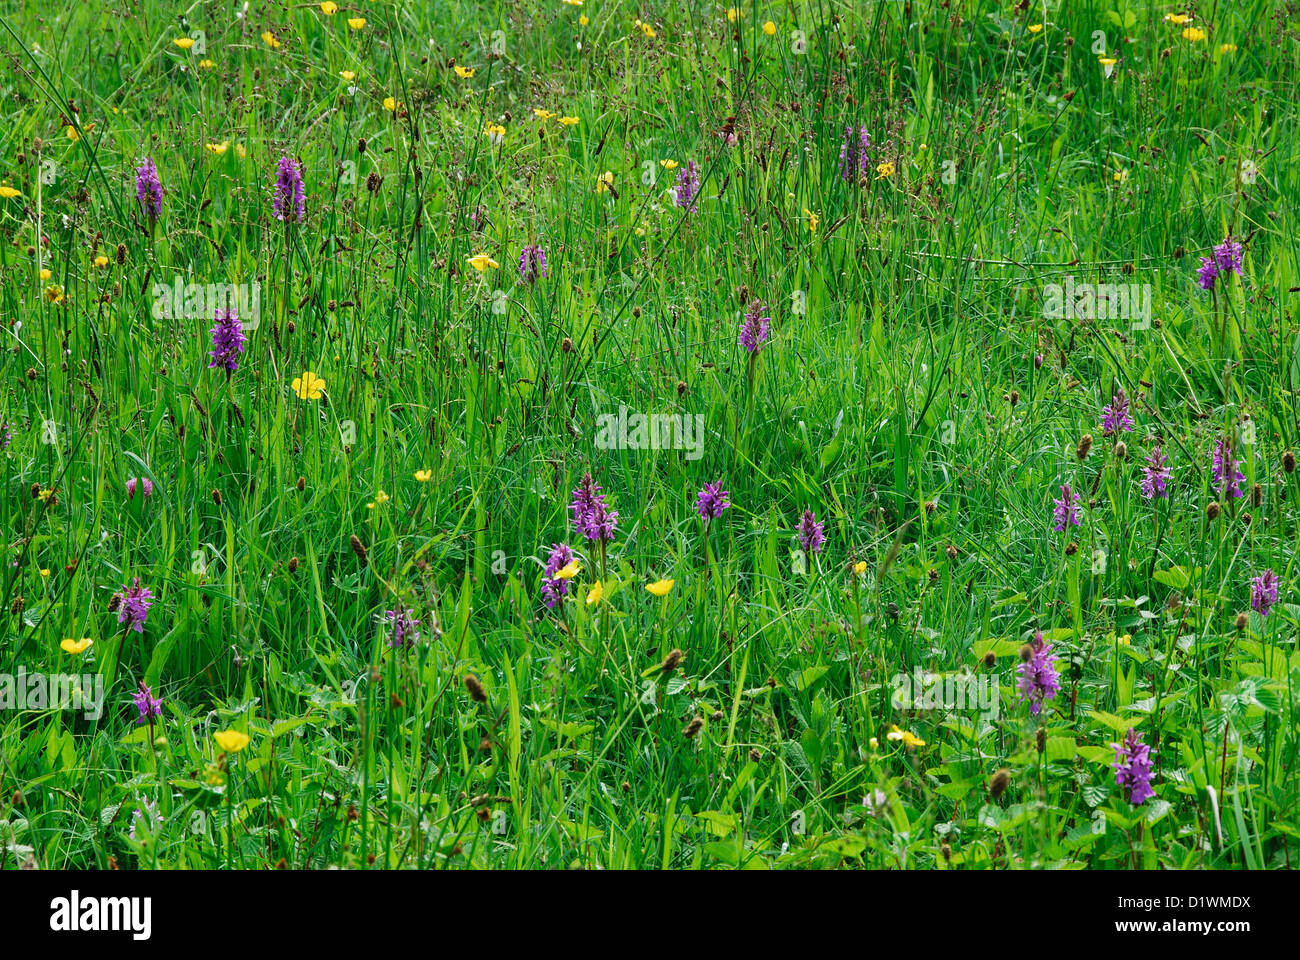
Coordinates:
column 906, row 736
column 885, row 170
column 574, row 3
column 860, row 567
column 1178, row 19
column 390, row 104
column 347, row 75
column 495, row 132
column 1035, row 28
column 646, row 29
column 270, row 40
column 231, row 741
column 669, row 164
column 72, row 133
column 769, row 28
column 594, row 594
column 604, row 182
column 424, row 476
column 381, row 497
column 356, row 23
column 569, row 570
column 481, row 262
column 184, row 42
column 544, row 114
column 240, row 152
column 101, row 261
column 464, row 72
column 1194, row 34
column 218, row 148
column 308, row 386
column 76, row 646
column 583, row 21
column 206, row 64
column 567, row 121
column 1227, row 48
column 329, row 8
column 54, row 293
column 813, row 220
column 46, row 273
column 734, row 14
column 660, row 588
column 9, row 192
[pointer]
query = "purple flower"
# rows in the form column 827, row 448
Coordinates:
column 532, row 263
column 135, row 482
column 148, row 705
column 1038, row 678
column 1066, row 509
column 289, row 198
column 712, row 500
column 811, row 533
column 754, row 331
column 688, row 187
column 402, row 627
column 227, row 341
column 555, row 589
column 148, row 189
column 1116, row 416
column 1155, row 474
column 6, row 434
column 1133, row 768
column 854, row 154
column 1263, row 592
column 1228, row 256
column 1227, row 478
column 1207, row 274
column 591, row 517
column 138, row 816
column 133, row 605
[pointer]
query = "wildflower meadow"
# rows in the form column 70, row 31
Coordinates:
column 553, row 434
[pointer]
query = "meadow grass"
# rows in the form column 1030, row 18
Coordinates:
column 914, row 394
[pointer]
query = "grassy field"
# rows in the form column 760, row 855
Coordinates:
column 970, row 309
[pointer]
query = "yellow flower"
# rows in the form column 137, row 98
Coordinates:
column 269, row 39
column 1194, row 34
column 769, row 28
column 669, row 164
column 240, row 152
column 381, row 497
column 569, row 570
column 76, row 646
column 1126, row 640
column 813, row 220
column 885, row 169
column 594, row 594
column 9, row 192
column 860, row 567
column 308, row 386
column 734, row 14
column 464, row 72
column 45, row 571
column 218, row 148
column 660, row 588
column 906, row 736
column 184, row 42
column 101, row 261
column 544, row 114
column 347, row 75
column 495, row 132
column 481, row 261
column 206, row 64
column 1035, row 28
column 44, row 494
column 1223, row 48
column 583, row 21
column 574, row 3
column 329, row 8
column 646, row 29
column 54, row 293
column 45, row 273
column 567, row 121
column 1120, row 176
column 356, row 23
column 231, row 741
column 875, row 744
column 424, row 476
column 1178, row 19
column 390, row 104
column 72, row 133
column 604, row 182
